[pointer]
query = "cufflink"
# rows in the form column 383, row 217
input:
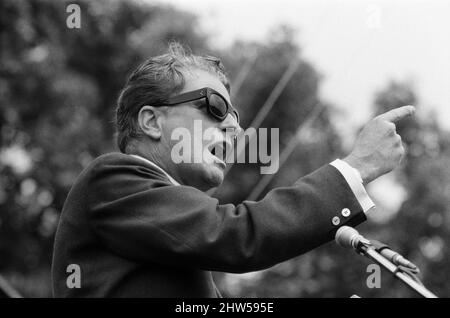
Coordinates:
column 345, row 212
column 336, row 220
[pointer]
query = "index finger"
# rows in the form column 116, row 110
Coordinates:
column 397, row 114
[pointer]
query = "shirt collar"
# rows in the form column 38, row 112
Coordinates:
column 172, row 180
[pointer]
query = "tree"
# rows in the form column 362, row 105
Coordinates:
column 420, row 229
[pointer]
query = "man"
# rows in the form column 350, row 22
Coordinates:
column 137, row 224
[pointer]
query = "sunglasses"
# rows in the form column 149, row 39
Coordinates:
column 216, row 104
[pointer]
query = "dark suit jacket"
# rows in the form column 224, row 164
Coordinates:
column 134, row 234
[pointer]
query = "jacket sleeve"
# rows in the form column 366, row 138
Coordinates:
column 146, row 219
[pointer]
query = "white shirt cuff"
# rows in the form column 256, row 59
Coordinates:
column 354, row 180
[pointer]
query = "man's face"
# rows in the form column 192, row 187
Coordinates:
column 204, row 170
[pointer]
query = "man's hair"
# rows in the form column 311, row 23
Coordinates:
column 154, row 81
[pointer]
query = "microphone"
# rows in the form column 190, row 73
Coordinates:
column 348, row 237
column 393, row 256
column 393, row 262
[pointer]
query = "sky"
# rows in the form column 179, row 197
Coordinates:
column 357, row 45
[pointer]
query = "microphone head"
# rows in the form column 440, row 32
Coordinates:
column 347, row 237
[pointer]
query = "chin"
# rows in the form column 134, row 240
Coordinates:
column 215, row 176
column 203, row 176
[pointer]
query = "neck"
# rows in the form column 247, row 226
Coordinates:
column 152, row 153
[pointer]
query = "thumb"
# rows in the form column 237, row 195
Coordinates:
column 397, row 114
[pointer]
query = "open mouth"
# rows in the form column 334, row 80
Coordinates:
column 220, row 150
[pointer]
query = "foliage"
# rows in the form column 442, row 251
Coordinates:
column 58, row 88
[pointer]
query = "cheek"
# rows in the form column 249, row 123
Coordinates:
column 174, row 128
column 188, row 131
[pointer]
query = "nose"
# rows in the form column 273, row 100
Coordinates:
column 230, row 123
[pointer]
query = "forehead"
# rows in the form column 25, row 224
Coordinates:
column 196, row 79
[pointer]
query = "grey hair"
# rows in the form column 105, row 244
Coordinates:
column 154, row 81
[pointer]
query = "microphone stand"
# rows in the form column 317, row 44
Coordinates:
column 366, row 249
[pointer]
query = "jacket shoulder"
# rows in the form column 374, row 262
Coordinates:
column 119, row 163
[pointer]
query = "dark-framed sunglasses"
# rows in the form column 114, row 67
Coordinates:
column 216, row 104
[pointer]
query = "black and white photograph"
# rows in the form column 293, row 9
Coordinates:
column 240, row 150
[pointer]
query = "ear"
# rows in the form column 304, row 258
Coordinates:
column 149, row 120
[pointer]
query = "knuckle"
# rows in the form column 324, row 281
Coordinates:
column 391, row 126
column 387, row 126
column 391, row 132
